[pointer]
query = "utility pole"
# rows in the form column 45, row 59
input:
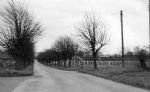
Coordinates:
column 149, row 23
column 122, row 40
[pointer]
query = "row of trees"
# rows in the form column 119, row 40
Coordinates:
column 19, row 32
column 93, row 36
column 62, row 51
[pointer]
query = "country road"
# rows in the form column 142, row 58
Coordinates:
column 53, row 80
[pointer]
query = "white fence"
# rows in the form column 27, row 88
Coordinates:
column 110, row 63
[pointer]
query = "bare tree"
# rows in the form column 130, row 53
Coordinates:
column 67, row 48
column 19, row 33
column 49, row 56
column 126, row 50
column 92, row 32
column 142, row 56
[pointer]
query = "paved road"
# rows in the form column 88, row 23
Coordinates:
column 53, row 80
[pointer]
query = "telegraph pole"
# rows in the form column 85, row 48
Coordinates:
column 122, row 40
column 149, row 23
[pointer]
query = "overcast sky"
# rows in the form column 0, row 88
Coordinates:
column 59, row 17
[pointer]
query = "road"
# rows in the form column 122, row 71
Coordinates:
column 53, row 80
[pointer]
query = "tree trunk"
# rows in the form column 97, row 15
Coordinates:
column 17, row 64
column 69, row 63
column 65, row 63
column 58, row 63
column 94, row 60
column 143, row 64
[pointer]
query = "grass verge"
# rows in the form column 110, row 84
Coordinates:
column 139, row 78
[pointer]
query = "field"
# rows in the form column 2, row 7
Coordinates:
column 137, row 78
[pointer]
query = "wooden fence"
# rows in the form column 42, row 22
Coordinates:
column 109, row 63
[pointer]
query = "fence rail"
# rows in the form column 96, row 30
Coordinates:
column 110, row 63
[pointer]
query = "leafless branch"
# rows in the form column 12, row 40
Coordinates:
column 93, row 34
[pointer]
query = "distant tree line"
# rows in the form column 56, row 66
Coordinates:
column 61, row 53
column 93, row 36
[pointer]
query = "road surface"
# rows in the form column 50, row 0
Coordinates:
column 53, row 80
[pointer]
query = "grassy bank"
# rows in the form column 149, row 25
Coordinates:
column 136, row 78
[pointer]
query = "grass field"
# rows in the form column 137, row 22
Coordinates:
column 137, row 78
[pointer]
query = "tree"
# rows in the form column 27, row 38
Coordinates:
column 92, row 32
column 48, row 56
column 67, row 49
column 19, row 33
column 141, row 55
column 80, row 54
column 126, row 50
column 129, row 53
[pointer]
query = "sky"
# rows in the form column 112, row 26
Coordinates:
column 59, row 18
